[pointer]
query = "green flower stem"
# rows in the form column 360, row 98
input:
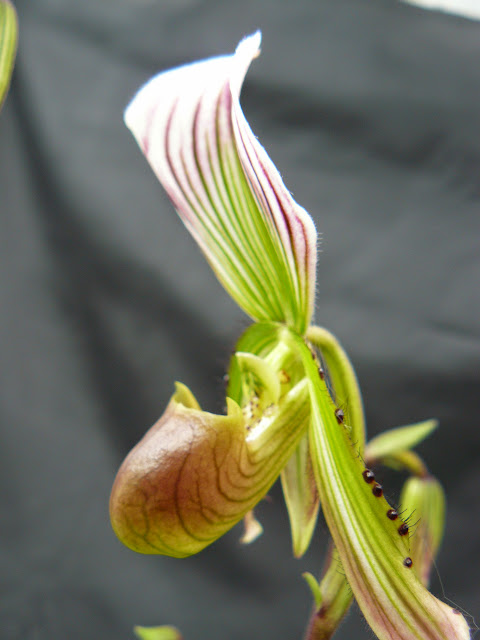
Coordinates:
column 374, row 554
column 333, row 599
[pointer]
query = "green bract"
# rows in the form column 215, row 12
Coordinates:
column 194, row 475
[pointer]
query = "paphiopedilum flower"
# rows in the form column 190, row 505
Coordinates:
column 195, row 474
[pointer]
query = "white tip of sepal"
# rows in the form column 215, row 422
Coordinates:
column 464, row 8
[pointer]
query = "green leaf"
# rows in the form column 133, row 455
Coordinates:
column 8, row 45
column 157, row 633
column 399, row 439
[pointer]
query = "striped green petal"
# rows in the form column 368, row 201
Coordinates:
column 8, row 45
column 261, row 244
column 374, row 548
column 301, row 497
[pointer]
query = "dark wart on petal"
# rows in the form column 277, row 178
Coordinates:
column 403, row 529
column 377, row 490
column 340, row 416
column 368, row 476
column 392, row 514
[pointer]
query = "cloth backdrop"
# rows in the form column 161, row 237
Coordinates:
column 371, row 111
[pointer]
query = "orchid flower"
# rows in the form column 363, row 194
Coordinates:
column 194, row 474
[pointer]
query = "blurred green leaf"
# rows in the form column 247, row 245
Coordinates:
column 157, row 633
column 8, row 45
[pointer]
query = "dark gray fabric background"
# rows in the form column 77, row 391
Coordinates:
column 371, row 111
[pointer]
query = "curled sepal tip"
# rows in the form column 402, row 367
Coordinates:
column 195, row 474
column 261, row 244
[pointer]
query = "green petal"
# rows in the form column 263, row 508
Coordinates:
column 8, row 45
column 373, row 553
column 391, row 442
column 423, row 499
column 261, row 244
column 301, row 497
